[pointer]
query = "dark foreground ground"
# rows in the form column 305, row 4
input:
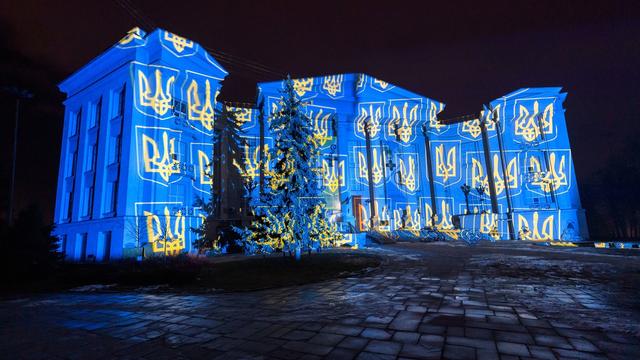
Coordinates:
column 194, row 275
column 425, row 301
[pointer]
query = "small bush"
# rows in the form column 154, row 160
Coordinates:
column 28, row 251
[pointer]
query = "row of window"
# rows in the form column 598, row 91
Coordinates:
column 79, row 249
column 89, row 139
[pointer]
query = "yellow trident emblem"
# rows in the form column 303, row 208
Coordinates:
column 166, row 164
column 371, row 117
column 407, row 174
column 445, row 222
column 442, row 221
column 360, row 81
column 179, row 43
column 331, row 178
column 434, row 123
column 167, row 238
column 133, row 34
column 198, row 111
column 447, row 169
column 376, row 171
column 401, row 125
column 320, row 127
column 535, row 232
column 302, row 86
column 473, row 127
column 552, row 179
column 383, row 217
column 160, row 101
column 252, row 161
column 489, row 225
column 383, row 84
column 333, row 84
column 478, row 177
column 243, row 115
column 204, row 168
column 407, row 219
column 529, row 127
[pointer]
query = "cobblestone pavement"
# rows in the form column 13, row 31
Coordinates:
column 426, row 301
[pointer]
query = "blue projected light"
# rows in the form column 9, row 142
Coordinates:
column 137, row 144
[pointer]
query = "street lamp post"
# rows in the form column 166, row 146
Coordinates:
column 466, row 189
column 19, row 94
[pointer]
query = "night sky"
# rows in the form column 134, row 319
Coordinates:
column 462, row 53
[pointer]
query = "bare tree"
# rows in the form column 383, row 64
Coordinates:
column 133, row 228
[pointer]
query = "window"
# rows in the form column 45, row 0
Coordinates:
column 117, row 102
column 87, row 202
column 114, row 143
column 121, row 100
column 114, row 197
column 96, row 113
column 104, row 246
column 118, row 147
column 179, row 108
column 90, row 205
column 92, row 156
column 91, row 161
column 107, row 246
column 70, row 170
column 110, row 197
column 81, row 246
column 112, row 146
column 115, row 137
column 91, row 121
column 74, row 122
column 114, row 149
column 71, row 163
column 74, row 161
column 334, row 126
column 63, row 244
column 73, row 119
column 70, row 184
column 69, row 202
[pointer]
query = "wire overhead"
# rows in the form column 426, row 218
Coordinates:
column 135, row 14
column 241, row 66
column 250, row 65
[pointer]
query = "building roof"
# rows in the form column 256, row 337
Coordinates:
column 157, row 45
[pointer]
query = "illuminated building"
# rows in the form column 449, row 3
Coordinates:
column 137, row 141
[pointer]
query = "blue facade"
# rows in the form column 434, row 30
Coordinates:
column 137, row 141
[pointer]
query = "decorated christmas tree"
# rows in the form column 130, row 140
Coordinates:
column 290, row 213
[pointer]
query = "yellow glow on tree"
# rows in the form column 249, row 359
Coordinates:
column 290, row 214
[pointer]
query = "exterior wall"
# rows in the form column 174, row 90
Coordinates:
column 150, row 154
column 533, row 182
column 130, row 172
column 535, row 171
column 397, row 150
column 95, row 165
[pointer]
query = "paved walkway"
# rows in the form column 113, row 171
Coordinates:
column 427, row 301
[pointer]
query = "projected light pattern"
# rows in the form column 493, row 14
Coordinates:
column 137, row 151
column 521, row 166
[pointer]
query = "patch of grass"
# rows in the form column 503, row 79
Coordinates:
column 235, row 273
column 277, row 271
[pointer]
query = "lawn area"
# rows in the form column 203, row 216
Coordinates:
column 198, row 274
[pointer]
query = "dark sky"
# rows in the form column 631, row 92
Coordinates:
column 462, row 53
